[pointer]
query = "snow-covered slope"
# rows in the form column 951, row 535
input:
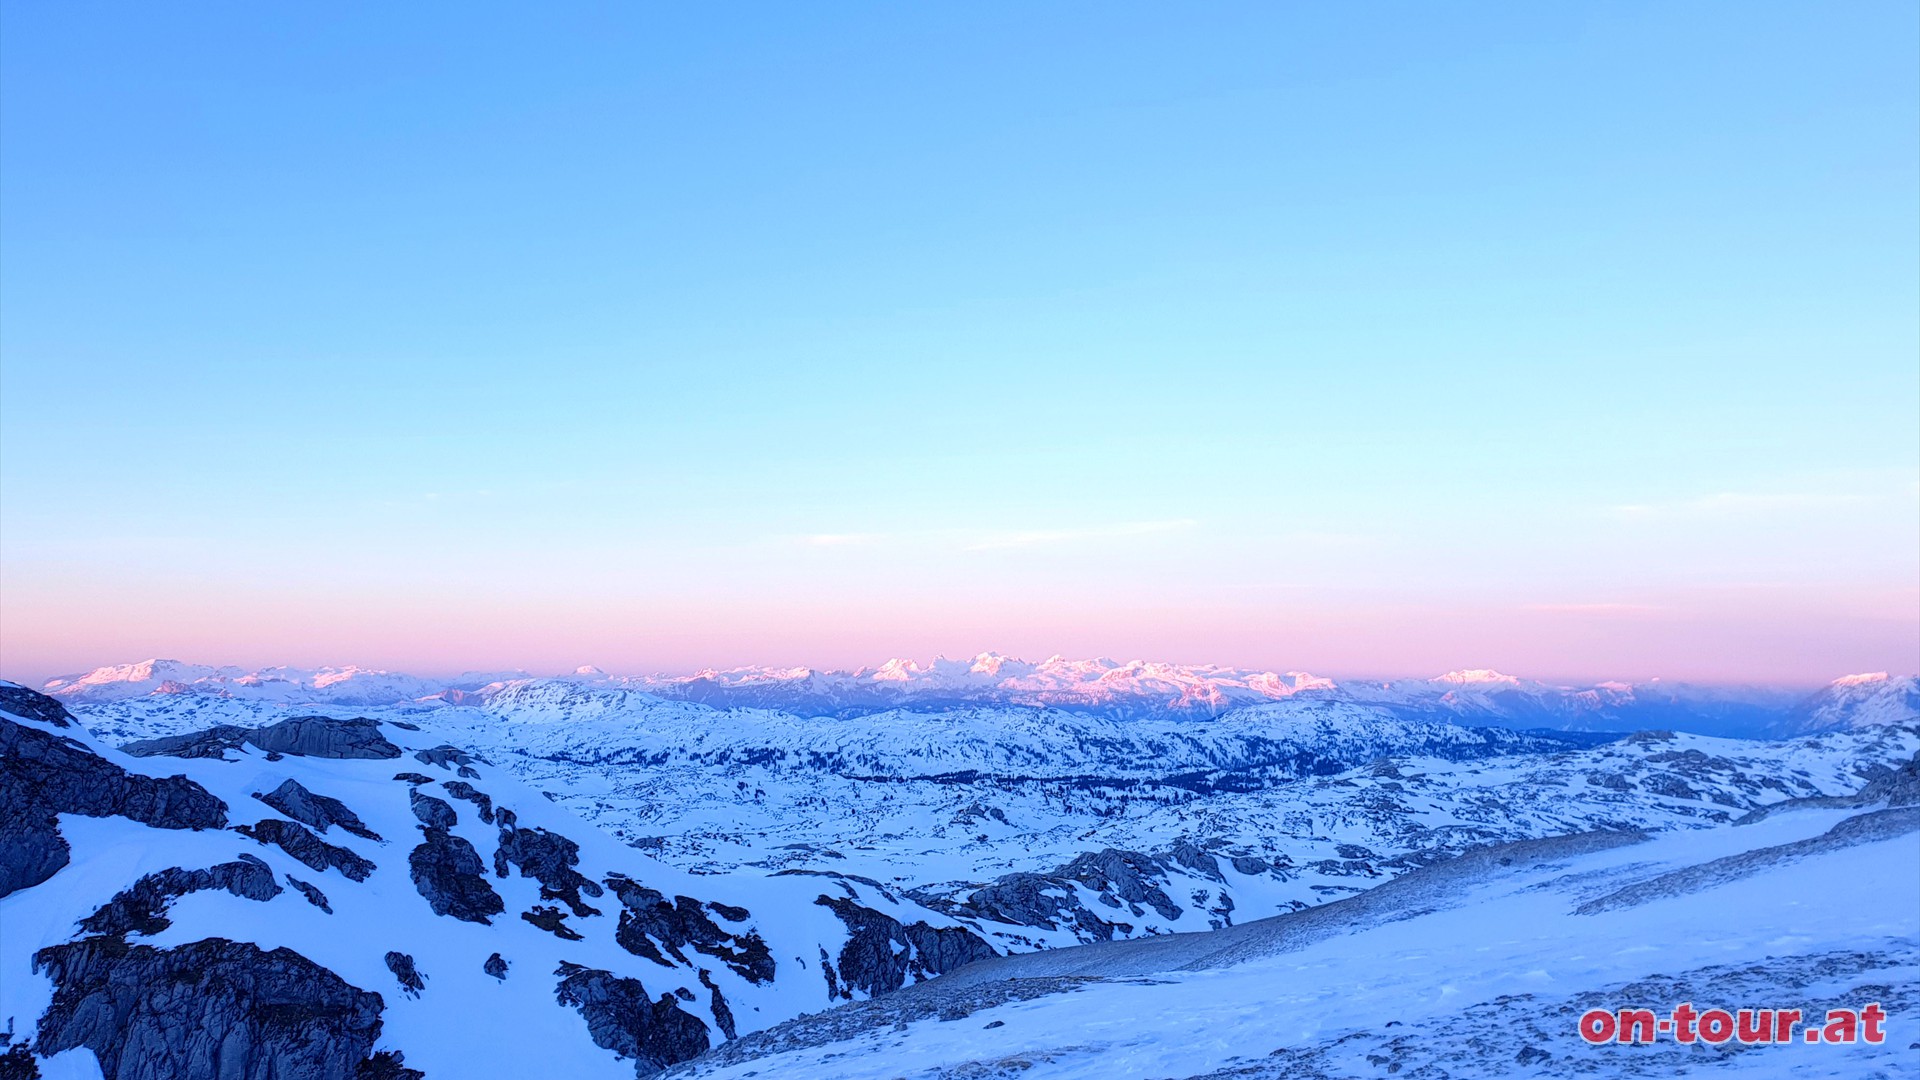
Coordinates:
column 1053, row 827
column 866, row 852
column 1479, row 967
column 284, row 901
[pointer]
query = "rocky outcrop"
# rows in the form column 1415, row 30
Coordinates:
column 16, row 1060
column 213, row 1008
column 495, row 966
column 33, row 705
column 1124, row 881
column 142, row 908
column 647, row 916
column 1188, row 854
column 316, row 853
column 312, row 893
column 553, row 921
column 621, row 1017
column 717, row 1003
column 388, row 1065
column 1901, row 787
column 43, row 775
column 449, row 873
column 1122, row 877
column 1892, row 788
column 300, row 736
column 1251, row 865
column 433, row 813
column 880, row 951
column 548, row 858
column 1034, row 900
column 411, row 981
column 460, row 789
column 316, row 811
column 451, row 757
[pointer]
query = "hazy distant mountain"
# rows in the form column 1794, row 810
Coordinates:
column 1857, row 701
column 1100, row 687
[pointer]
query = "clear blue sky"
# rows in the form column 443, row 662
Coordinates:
column 1579, row 339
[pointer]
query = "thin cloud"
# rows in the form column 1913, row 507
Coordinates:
column 842, row 539
column 1738, row 504
column 991, row 539
column 1041, row 537
column 1592, row 609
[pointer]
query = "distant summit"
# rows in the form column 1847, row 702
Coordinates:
column 1858, row 701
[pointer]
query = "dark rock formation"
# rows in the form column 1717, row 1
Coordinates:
column 387, row 1065
column 549, row 858
column 1901, row 787
column 1122, row 875
column 1251, row 865
column 316, row 853
column 881, row 952
column 433, row 813
column 646, row 916
column 552, row 920
column 312, row 893
column 33, row 705
column 728, row 911
column 449, row 873
column 411, row 981
column 43, row 775
column 213, row 1008
column 317, row 811
column 142, row 908
column 1188, row 854
column 621, row 1017
column 717, row 1002
column 16, row 1061
column 460, row 789
column 451, row 757
column 301, row 736
column 413, row 777
column 496, row 966
column 1033, row 900
column 1123, row 880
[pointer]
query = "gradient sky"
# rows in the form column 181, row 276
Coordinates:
column 1578, row 340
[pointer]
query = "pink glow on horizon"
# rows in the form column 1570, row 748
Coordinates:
column 1768, row 637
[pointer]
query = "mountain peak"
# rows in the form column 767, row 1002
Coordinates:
column 1477, row 677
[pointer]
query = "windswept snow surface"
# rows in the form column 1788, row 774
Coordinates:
column 1473, row 971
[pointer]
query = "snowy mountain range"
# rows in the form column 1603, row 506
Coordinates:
column 357, row 874
column 1265, row 809
column 1104, row 688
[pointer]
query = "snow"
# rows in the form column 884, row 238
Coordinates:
column 901, row 797
column 466, row 1023
column 1135, row 689
column 1515, row 938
